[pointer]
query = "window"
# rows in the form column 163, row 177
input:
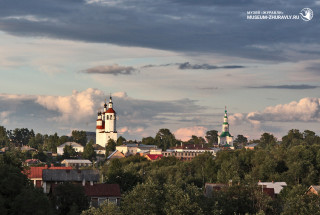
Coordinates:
column 113, row 200
column 110, row 116
column 101, row 200
column 107, row 116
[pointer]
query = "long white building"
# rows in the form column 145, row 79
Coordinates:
column 106, row 125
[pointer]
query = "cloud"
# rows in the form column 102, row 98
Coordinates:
column 136, row 117
column 77, row 107
column 160, row 65
column 187, row 65
column 290, row 87
column 180, row 26
column 4, row 117
column 306, row 110
column 185, row 134
column 111, row 70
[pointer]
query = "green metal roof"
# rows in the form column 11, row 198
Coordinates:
column 225, row 134
column 225, row 123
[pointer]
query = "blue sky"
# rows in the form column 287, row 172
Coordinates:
column 168, row 64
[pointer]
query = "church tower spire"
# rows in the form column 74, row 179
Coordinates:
column 106, row 124
column 225, row 137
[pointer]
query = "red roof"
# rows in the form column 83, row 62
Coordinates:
column 36, row 172
column 99, row 127
column 154, row 157
column 110, row 110
column 106, row 190
column 32, row 161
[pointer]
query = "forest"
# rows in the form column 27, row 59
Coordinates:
column 170, row 186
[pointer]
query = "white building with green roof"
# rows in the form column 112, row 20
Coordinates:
column 225, row 138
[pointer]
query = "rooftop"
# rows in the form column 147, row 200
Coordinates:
column 97, row 190
column 36, row 172
column 76, row 161
column 70, row 175
column 73, row 144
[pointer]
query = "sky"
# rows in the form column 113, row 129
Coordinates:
column 170, row 64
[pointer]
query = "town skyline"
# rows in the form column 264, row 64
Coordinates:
column 171, row 64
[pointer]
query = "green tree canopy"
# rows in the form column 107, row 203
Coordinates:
column 212, row 137
column 89, row 152
column 165, row 139
column 79, row 137
column 68, row 152
column 148, row 141
column 70, row 196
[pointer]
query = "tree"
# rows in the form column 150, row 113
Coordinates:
column 148, row 141
column 145, row 198
column 267, row 139
column 89, row 152
column 212, row 137
column 110, row 147
column 79, row 137
column 241, row 139
column 178, row 201
column 121, row 140
column 70, row 196
column 196, row 140
column 104, row 209
column 68, row 151
column 165, row 139
column 297, row 202
column 4, row 140
column 15, row 189
column 63, row 139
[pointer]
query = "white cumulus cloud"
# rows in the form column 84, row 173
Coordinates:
column 307, row 109
column 76, row 107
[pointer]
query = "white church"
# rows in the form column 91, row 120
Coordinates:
column 106, row 125
column 225, row 138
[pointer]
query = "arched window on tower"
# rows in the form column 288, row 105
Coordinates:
column 110, row 117
column 107, row 116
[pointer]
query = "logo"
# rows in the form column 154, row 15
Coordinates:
column 306, row 14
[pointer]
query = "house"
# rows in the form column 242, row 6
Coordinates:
column 29, row 162
column 251, row 146
column 27, row 149
column 188, row 152
column 76, row 163
column 115, row 154
column 58, row 176
column 134, row 148
column 35, row 173
column 99, row 193
column 99, row 149
column 313, row 189
column 211, row 187
column 277, row 186
column 76, row 146
column 153, row 157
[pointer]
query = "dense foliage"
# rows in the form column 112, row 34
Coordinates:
column 170, row 186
